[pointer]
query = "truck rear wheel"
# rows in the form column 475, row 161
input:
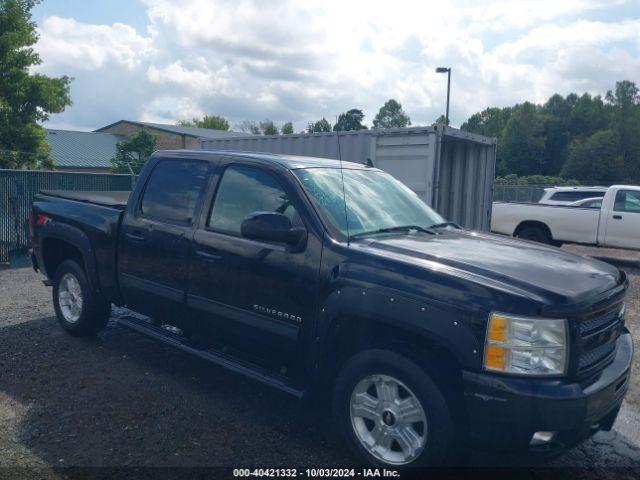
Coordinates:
column 391, row 413
column 535, row 234
column 80, row 310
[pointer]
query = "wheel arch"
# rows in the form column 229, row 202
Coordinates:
column 351, row 334
column 60, row 242
column 533, row 223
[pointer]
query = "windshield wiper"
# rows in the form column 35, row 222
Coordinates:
column 399, row 228
column 444, row 225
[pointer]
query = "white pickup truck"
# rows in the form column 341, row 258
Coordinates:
column 615, row 224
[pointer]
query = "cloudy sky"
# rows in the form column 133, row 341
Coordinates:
column 163, row 60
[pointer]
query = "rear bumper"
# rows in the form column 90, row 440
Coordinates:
column 504, row 412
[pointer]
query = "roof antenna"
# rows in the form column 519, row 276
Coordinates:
column 344, row 195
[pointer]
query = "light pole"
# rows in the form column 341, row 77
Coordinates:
column 446, row 70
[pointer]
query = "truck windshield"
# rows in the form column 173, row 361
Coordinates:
column 374, row 201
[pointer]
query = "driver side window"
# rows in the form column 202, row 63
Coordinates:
column 244, row 190
column 627, row 201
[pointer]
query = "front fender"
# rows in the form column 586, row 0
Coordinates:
column 450, row 327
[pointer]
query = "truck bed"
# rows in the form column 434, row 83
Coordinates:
column 565, row 223
column 114, row 199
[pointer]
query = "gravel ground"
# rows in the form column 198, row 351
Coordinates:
column 123, row 400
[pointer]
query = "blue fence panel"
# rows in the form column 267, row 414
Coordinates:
column 19, row 187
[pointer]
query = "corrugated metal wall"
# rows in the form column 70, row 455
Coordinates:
column 464, row 191
column 354, row 146
column 450, row 170
column 17, row 189
column 409, row 157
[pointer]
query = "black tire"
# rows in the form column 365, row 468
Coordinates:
column 535, row 234
column 93, row 314
column 439, row 443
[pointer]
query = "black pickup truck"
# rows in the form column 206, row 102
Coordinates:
column 333, row 279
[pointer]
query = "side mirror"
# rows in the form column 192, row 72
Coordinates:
column 271, row 227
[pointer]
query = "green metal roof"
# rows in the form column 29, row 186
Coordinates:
column 206, row 133
column 82, row 149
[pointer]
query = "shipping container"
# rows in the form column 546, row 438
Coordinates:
column 451, row 170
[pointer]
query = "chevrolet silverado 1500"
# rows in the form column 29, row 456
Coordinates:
column 333, row 279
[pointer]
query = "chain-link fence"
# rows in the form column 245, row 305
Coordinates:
column 518, row 193
column 19, row 187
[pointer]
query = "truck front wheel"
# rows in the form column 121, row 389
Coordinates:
column 80, row 310
column 391, row 413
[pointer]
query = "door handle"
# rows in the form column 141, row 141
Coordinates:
column 208, row 256
column 136, row 236
column 617, row 217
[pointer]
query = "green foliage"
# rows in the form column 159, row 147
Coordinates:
column 624, row 103
column 133, row 153
column 588, row 115
column 287, row 128
column 25, row 98
column 513, row 179
column 249, row 126
column 523, row 142
column 555, row 138
column 321, row 125
column 596, row 159
column 441, row 120
column 267, row 127
column 391, row 115
column 213, row 122
column 350, row 120
column 490, row 122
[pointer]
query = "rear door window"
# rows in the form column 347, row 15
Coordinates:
column 174, row 189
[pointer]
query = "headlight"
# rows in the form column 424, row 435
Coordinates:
column 526, row 346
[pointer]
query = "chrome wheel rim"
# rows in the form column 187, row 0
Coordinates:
column 70, row 298
column 388, row 419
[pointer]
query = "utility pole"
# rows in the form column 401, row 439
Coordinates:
column 446, row 70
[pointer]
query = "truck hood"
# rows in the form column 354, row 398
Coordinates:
column 534, row 268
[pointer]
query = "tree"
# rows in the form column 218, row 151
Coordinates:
column 350, row 120
column 287, row 128
column 624, row 103
column 539, row 139
column 133, row 153
column 441, row 120
column 489, row 122
column 523, row 141
column 321, row 125
column 213, row 122
column 25, row 98
column 391, row 115
column 588, row 115
column 596, row 159
column 267, row 127
column 249, row 126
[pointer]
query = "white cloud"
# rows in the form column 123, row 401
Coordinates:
column 299, row 61
column 68, row 43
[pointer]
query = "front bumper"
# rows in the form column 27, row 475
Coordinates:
column 504, row 412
